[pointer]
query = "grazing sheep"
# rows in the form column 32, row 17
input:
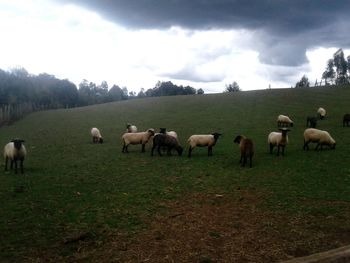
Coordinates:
column 163, row 131
column 318, row 136
column 284, row 121
column 311, row 122
column 346, row 120
column 168, row 141
column 321, row 112
column 131, row 128
column 136, row 138
column 279, row 139
column 246, row 147
column 15, row 151
column 202, row 141
column 96, row 135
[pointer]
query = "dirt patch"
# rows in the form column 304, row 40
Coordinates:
column 219, row 228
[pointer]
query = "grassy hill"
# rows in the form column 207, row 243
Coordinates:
column 72, row 186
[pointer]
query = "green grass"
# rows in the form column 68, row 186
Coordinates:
column 71, row 185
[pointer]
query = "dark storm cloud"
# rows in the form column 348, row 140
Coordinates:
column 284, row 28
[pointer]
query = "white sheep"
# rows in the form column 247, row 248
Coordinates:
column 203, row 140
column 284, row 121
column 136, row 138
column 321, row 113
column 318, row 136
column 279, row 139
column 131, row 128
column 173, row 134
column 15, row 151
column 96, row 135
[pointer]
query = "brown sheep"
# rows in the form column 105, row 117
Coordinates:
column 246, row 147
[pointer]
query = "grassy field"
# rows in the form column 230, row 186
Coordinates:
column 72, row 186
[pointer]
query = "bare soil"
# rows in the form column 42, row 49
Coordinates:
column 213, row 228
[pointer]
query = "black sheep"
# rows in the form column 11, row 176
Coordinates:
column 161, row 140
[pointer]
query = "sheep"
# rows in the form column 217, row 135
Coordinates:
column 136, row 138
column 246, row 147
column 203, row 140
column 168, row 141
column 131, row 128
column 163, row 131
column 171, row 133
column 96, row 135
column 284, row 121
column 321, row 112
column 318, row 136
column 279, row 139
column 346, row 119
column 15, row 151
column 311, row 122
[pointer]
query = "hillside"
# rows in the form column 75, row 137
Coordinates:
column 299, row 202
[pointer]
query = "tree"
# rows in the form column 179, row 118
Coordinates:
column 167, row 88
column 200, row 91
column 341, row 66
column 141, row 93
column 125, row 93
column 234, row 87
column 115, row 93
column 329, row 74
column 303, row 83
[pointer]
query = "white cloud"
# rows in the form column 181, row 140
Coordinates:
column 70, row 42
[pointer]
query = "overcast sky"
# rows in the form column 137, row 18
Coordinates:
column 202, row 43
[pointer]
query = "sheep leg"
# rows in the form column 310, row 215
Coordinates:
column 158, row 150
column 306, row 145
column 125, row 148
column 317, row 146
column 143, row 148
column 153, row 147
column 189, row 151
column 271, row 148
column 244, row 161
column 210, row 151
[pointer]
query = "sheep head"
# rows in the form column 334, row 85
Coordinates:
column 238, row 139
column 17, row 143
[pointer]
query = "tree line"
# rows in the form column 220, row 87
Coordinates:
column 337, row 72
column 22, row 93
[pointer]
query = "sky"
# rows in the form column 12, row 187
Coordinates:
column 201, row 43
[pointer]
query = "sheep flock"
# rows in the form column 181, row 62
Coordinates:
column 168, row 141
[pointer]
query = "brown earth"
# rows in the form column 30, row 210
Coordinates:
column 212, row 228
